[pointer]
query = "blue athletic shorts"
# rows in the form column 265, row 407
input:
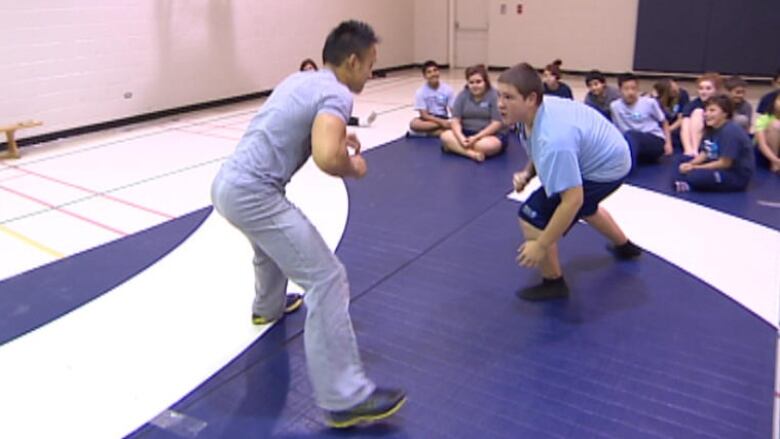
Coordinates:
column 538, row 209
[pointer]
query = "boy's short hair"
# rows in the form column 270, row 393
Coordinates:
column 724, row 102
column 428, row 64
column 349, row 37
column 626, row 77
column 595, row 75
column 735, row 82
column 555, row 68
column 524, row 79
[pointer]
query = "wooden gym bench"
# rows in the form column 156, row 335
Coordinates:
column 13, row 149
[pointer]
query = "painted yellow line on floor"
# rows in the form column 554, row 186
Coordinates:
column 31, row 242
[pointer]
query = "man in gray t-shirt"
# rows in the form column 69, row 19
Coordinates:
column 306, row 115
column 641, row 121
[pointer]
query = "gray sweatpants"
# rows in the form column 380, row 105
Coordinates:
column 287, row 246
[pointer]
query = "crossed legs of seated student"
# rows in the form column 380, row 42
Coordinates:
column 470, row 145
column 433, row 127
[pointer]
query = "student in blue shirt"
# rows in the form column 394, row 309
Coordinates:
column 580, row 158
column 641, row 121
column 552, row 81
column 433, row 100
column 726, row 159
column 306, row 116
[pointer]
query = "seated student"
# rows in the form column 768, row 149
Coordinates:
column 476, row 121
column 766, row 101
column 767, row 131
column 308, row 65
column 433, row 100
column 641, row 119
column 552, row 81
column 725, row 161
column 672, row 99
column 600, row 95
column 743, row 111
column 692, row 128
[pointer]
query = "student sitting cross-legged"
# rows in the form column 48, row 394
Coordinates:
column 433, row 101
column 641, row 121
column 476, row 122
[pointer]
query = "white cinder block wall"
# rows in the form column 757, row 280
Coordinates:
column 70, row 63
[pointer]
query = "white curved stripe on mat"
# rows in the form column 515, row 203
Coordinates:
column 113, row 364
column 735, row 256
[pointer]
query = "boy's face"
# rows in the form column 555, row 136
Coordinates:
column 596, row 87
column 737, row 94
column 714, row 116
column 629, row 91
column 549, row 79
column 513, row 106
column 359, row 69
column 431, row 75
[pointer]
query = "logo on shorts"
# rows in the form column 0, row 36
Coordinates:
column 529, row 211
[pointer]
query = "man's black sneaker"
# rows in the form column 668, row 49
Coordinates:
column 381, row 404
column 291, row 304
column 624, row 252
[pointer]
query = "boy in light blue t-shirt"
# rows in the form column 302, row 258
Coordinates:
column 641, row 121
column 433, row 101
column 580, row 159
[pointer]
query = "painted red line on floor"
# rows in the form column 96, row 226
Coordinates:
column 65, row 211
column 106, row 196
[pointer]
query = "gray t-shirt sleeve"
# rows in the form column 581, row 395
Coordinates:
column 337, row 102
column 458, row 103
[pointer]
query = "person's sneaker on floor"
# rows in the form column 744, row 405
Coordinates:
column 682, row 186
column 381, row 404
column 292, row 303
column 624, row 252
column 549, row 289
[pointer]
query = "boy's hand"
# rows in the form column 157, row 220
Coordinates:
column 520, row 180
column 686, row 168
column 668, row 150
column 353, row 142
column 359, row 167
column 530, row 254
